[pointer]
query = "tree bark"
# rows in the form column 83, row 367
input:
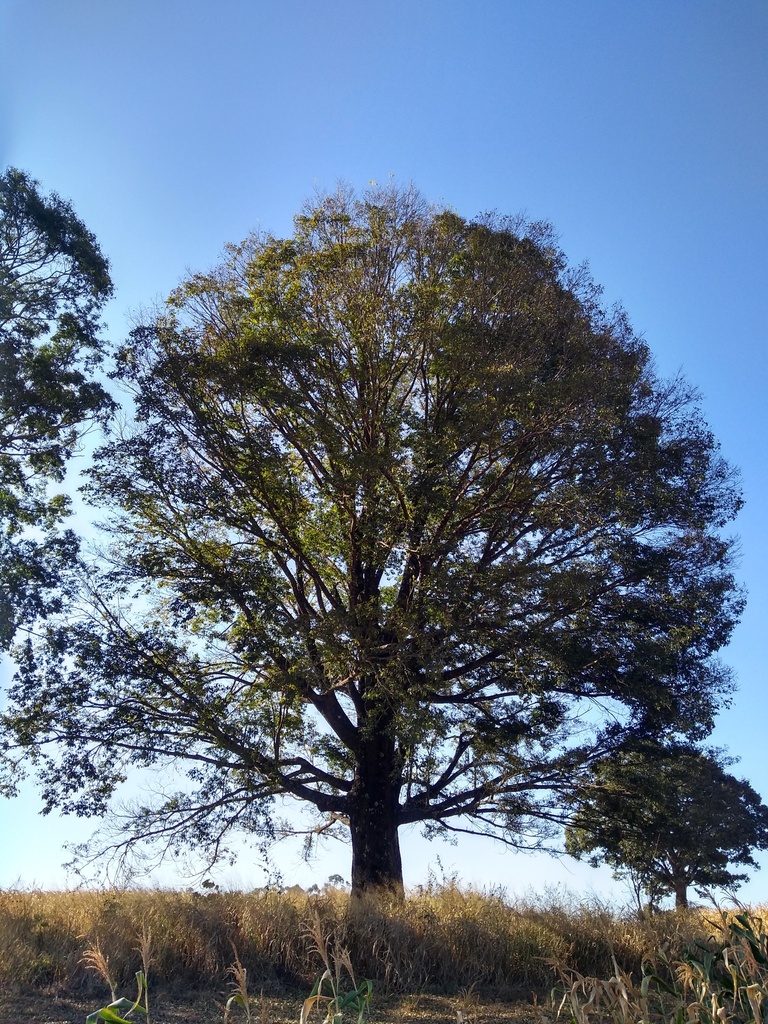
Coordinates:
column 374, row 817
column 681, row 894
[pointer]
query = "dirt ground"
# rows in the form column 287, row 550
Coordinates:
column 207, row 1008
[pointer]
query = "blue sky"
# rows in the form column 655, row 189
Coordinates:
column 640, row 129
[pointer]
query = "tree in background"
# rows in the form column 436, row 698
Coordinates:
column 405, row 528
column 671, row 817
column 54, row 282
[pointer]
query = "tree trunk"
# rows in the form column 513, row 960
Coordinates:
column 681, row 894
column 373, row 817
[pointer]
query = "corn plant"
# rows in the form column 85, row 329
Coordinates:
column 327, row 995
column 724, row 981
column 728, row 981
column 112, row 1013
column 240, row 996
column 593, row 999
column 327, row 991
column 95, row 959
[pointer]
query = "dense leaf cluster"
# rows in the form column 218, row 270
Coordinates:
column 670, row 816
column 54, row 282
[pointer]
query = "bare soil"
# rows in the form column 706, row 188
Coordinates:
column 207, row 1008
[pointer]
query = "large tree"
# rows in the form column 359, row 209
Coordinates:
column 670, row 816
column 54, row 282
column 405, row 527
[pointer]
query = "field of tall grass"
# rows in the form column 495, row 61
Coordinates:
column 440, row 940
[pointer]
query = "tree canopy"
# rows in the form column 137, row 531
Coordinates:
column 672, row 817
column 54, row 282
column 405, row 527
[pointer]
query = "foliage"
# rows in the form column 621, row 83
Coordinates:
column 672, row 816
column 405, row 528
column 54, row 282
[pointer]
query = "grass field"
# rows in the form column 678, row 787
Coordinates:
column 443, row 951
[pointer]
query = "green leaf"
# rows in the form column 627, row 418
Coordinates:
column 107, row 1013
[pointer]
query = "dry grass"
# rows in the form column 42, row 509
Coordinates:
column 441, row 941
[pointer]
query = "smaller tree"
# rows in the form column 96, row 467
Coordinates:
column 669, row 816
column 54, row 281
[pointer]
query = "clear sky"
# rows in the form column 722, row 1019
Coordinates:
column 640, row 129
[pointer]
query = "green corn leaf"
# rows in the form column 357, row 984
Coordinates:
column 663, row 985
column 108, row 1013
